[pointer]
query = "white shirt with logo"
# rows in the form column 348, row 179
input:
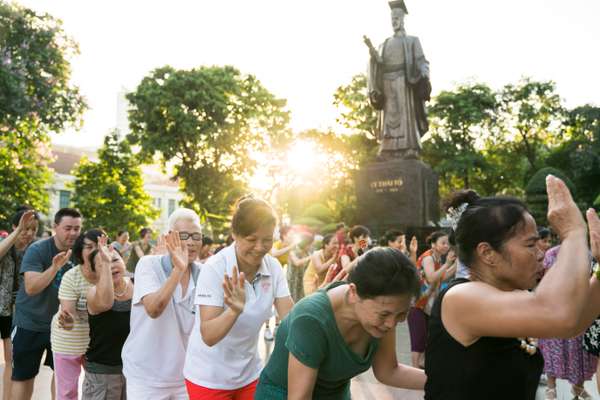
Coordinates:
column 233, row 362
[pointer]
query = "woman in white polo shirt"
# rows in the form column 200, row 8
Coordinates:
column 162, row 315
column 235, row 292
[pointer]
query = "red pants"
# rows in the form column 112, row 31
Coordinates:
column 201, row 393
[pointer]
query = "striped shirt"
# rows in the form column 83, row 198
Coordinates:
column 74, row 287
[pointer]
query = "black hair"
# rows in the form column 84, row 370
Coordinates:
column 327, row 239
column 433, row 237
column 339, row 226
column 66, row 212
column 92, row 258
column 206, row 241
column 486, row 219
column 384, row 271
column 250, row 215
column 16, row 218
column 119, row 233
column 90, row 234
column 390, row 236
column 144, row 232
column 358, row 231
column 544, row 232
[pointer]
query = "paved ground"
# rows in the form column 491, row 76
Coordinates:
column 364, row 387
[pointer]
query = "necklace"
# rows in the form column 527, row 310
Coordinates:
column 529, row 345
column 124, row 290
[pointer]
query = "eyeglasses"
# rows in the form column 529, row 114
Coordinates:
column 195, row 236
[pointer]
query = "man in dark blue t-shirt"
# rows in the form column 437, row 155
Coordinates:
column 42, row 268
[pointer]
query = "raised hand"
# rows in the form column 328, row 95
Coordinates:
column 103, row 249
column 178, row 251
column 66, row 320
column 451, row 257
column 26, row 218
column 594, row 227
column 234, row 291
column 59, row 260
column 414, row 245
column 563, row 214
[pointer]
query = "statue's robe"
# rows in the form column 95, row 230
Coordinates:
column 403, row 119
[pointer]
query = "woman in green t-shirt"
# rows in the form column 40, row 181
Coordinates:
column 343, row 330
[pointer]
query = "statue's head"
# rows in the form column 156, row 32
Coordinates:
column 398, row 11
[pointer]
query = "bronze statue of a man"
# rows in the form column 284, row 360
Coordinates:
column 398, row 84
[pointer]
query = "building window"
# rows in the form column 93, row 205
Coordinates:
column 64, row 199
column 172, row 206
column 158, row 203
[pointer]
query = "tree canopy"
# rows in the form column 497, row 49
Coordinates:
column 207, row 123
column 36, row 98
column 110, row 193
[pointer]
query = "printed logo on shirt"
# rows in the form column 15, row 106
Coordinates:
column 205, row 295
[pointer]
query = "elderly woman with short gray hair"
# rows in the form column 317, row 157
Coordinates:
column 162, row 314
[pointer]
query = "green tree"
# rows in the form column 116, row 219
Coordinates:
column 531, row 117
column 110, row 193
column 207, row 122
column 36, row 95
column 24, row 176
column 356, row 113
column 579, row 155
column 460, row 122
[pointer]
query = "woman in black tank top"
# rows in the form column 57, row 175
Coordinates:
column 109, row 309
column 480, row 342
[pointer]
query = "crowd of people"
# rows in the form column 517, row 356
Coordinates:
column 490, row 305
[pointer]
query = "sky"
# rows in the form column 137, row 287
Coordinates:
column 303, row 50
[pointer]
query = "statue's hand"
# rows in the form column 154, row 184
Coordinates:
column 376, row 98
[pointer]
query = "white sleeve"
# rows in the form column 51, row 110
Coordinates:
column 146, row 280
column 280, row 288
column 209, row 287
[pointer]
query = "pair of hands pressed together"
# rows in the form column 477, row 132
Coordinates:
column 566, row 219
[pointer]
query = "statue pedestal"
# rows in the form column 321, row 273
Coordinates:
column 397, row 194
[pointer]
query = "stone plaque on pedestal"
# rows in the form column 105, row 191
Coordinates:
column 397, row 193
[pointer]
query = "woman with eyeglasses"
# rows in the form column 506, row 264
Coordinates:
column 162, row 315
column 236, row 291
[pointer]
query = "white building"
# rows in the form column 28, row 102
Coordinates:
column 164, row 192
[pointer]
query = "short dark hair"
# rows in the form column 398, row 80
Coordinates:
column 90, row 234
column 250, row 215
column 206, row 241
column 91, row 259
column 16, row 218
column 119, row 233
column 144, row 232
column 66, row 212
column 384, row 271
column 339, row 226
column 543, row 232
column 358, row 231
column 391, row 235
column 434, row 236
column 486, row 219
